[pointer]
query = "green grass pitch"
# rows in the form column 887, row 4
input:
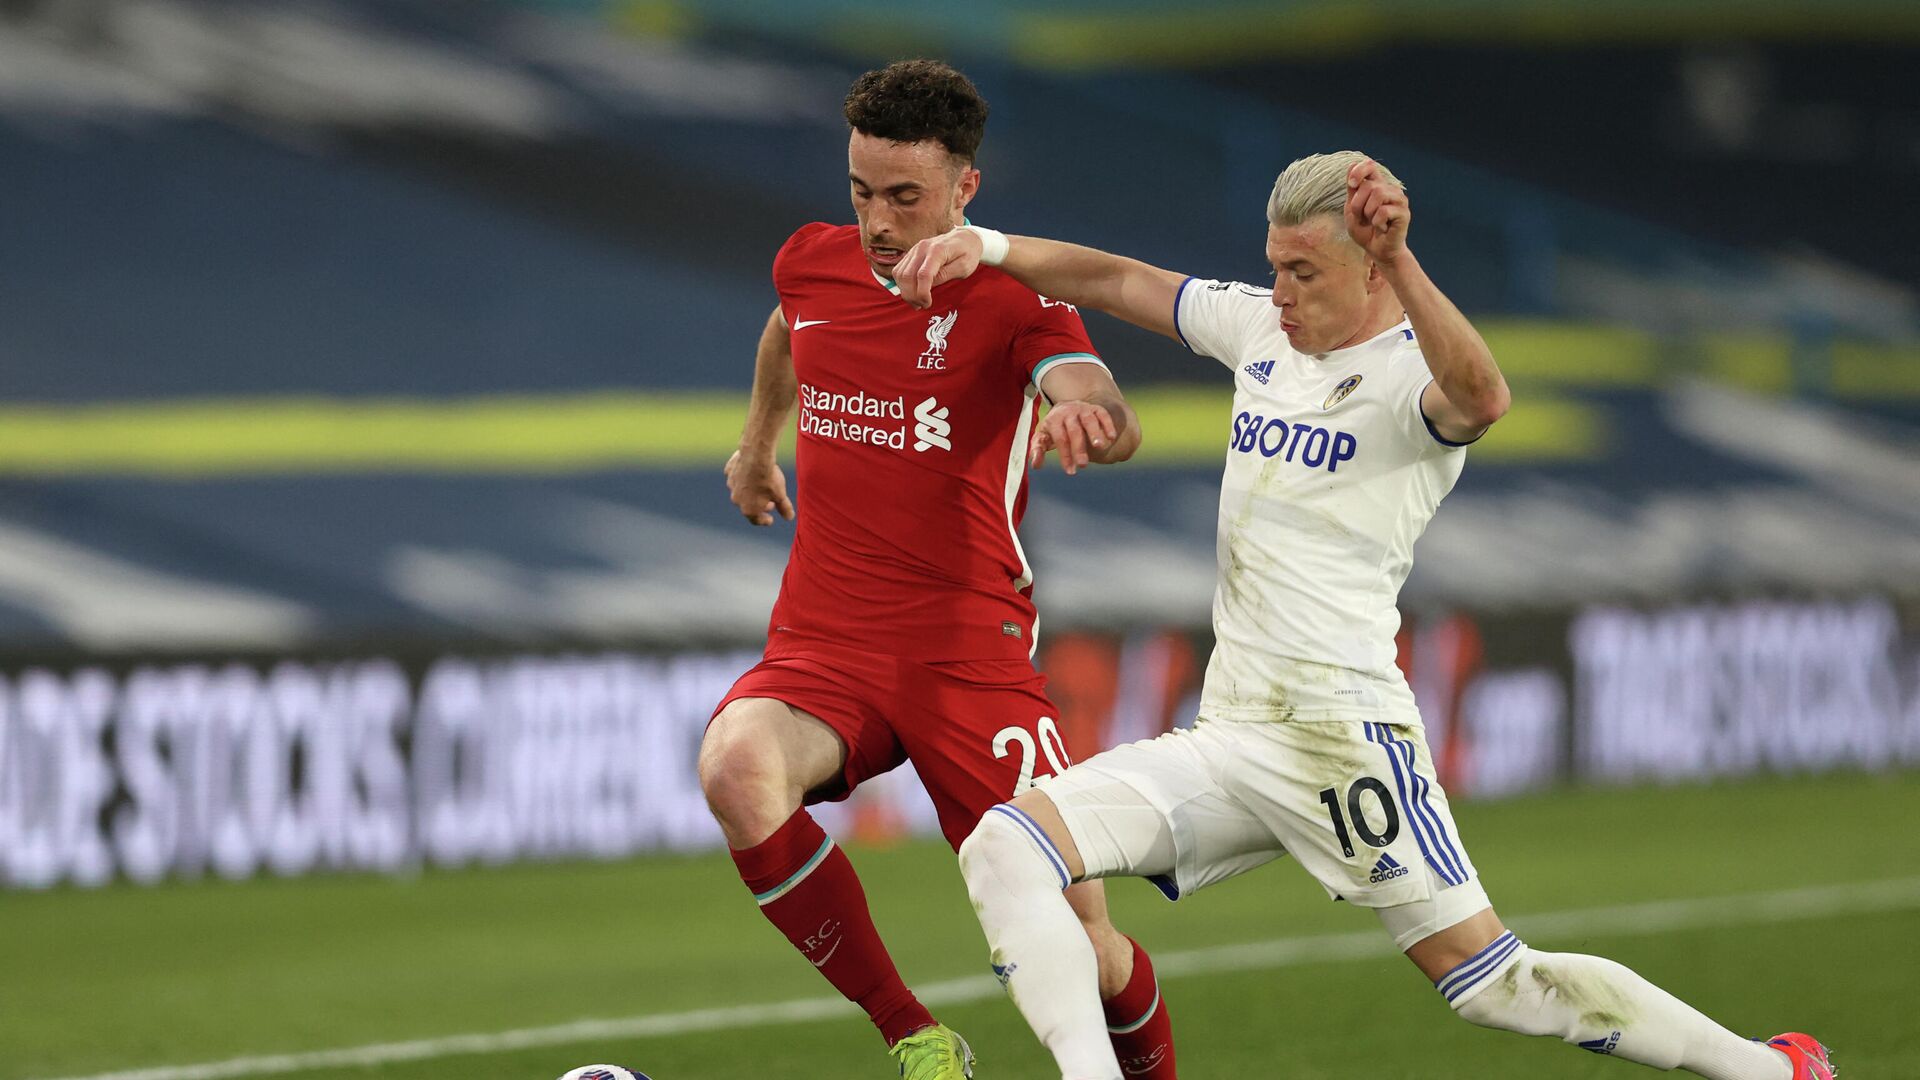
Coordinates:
column 126, row 978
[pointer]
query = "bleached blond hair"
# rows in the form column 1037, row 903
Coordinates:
column 1317, row 185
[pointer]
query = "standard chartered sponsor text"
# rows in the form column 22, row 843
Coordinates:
column 832, row 415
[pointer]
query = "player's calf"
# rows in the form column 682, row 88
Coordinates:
column 1138, row 1022
column 1602, row 1007
column 758, row 759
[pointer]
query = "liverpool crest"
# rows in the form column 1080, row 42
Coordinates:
column 938, row 327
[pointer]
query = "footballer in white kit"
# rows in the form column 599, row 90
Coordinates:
column 1308, row 742
column 1357, row 386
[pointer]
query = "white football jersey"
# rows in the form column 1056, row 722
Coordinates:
column 1332, row 473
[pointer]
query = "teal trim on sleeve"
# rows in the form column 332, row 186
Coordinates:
column 1064, row 358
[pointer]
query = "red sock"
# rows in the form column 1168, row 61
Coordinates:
column 806, row 887
column 1138, row 1023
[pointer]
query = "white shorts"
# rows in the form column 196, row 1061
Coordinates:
column 1355, row 802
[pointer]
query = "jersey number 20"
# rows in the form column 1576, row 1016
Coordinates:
column 1008, row 737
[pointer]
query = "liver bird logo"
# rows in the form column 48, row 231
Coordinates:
column 938, row 327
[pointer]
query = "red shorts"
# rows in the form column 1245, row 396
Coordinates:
column 977, row 731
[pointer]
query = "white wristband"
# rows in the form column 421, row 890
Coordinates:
column 993, row 244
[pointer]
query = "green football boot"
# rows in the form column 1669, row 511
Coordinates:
column 934, row 1053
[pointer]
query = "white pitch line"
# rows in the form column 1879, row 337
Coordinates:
column 1659, row 917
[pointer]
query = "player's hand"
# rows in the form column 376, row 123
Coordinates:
column 935, row 261
column 758, row 488
column 1377, row 213
column 1074, row 428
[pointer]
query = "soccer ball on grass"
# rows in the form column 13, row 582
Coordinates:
column 603, row 1072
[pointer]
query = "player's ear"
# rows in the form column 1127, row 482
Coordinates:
column 969, row 187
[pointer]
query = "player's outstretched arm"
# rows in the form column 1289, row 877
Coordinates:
column 1468, row 393
column 1085, row 277
column 754, row 480
column 1089, row 422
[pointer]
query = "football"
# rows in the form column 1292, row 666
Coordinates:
column 603, row 1072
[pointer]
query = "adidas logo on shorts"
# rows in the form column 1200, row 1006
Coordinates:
column 1386, row 870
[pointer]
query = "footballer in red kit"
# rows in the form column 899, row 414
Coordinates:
column 905, row 626
column 914, row 432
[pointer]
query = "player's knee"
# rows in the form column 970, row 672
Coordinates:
column 1007, row 847
column 978, row 850
column 742, row 777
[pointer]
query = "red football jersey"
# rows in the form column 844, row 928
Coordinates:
column 911, row 473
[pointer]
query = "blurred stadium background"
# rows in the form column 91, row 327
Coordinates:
column 366, row 368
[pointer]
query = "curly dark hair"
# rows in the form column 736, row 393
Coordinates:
column 911, row 100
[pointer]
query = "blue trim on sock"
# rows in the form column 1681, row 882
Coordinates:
column 1039, row 837
column 1476, row 970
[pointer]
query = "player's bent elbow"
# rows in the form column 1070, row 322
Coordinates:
column 1488, row 408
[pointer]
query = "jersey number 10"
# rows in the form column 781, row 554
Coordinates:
column 1359, row 815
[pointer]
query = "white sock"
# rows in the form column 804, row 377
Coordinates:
column 1040, row 951
column 1601, row 1006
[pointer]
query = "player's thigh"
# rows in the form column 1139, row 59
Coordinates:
column 1152, row 809
column 784, row 744
column 1357, row 803
column 817, row 714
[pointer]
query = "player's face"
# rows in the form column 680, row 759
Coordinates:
column 904, row 193
column 1322, row 284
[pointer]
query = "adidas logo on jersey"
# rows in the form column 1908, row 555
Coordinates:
column 1602, row 1046
column 1261, row 371
column 1386, row 870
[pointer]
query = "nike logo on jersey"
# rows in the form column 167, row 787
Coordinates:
column 802, row 324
